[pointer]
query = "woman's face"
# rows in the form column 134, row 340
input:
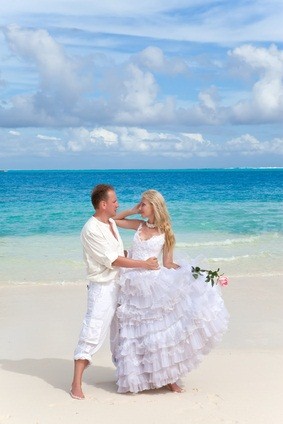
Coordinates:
column 146, row 209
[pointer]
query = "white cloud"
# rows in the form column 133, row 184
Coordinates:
column 249, row 145
column 130, row 94
column 136, row 141
column 141, row 78
column 139, row 89
column 140, row 140
column 209, row 99
column 106, row 136
column 154, row 59
column 25, row 146
column 266, row 100
column 60, row 76
column 148, row 103
column 97, row 139
column 48, row 138
column 136, row 99
column 197, row 20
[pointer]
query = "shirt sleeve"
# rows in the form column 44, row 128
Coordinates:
column 97, row 247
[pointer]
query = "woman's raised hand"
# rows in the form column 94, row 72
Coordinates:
column 136, row 209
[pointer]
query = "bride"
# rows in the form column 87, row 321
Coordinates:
column 167, row 319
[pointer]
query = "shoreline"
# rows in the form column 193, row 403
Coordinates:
column 240, row 381
column 83, row 282
column 49, row 259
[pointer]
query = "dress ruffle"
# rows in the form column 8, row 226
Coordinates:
column 168, row 321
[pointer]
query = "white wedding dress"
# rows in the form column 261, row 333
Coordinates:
column 167, row 321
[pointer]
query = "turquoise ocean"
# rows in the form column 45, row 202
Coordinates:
column 232, row 217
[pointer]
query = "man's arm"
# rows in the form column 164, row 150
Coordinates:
column 150, row 263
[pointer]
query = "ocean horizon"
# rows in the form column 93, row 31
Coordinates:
column 139, row 169
column 230, row 216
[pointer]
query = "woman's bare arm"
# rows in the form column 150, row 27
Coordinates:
column 131, row 224
column 168, row 258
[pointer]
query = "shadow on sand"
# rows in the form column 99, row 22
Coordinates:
column 58, row 372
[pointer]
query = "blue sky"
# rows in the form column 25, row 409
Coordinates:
column 130, row 84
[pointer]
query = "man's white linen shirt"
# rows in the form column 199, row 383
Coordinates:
column 100, row 250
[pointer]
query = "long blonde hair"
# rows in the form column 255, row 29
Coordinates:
column 161, row 216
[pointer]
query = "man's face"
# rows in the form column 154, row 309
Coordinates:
column 111, row 204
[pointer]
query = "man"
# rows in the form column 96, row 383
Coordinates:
column 103, row 254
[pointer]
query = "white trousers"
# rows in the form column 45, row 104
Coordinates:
column 101, row 307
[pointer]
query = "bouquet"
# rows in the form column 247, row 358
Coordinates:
column 212, row 277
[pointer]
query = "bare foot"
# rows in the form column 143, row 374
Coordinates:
column 77, row 393
column 175, row 388
column 76, row 387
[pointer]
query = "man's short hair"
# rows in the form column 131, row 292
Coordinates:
column 99, row 193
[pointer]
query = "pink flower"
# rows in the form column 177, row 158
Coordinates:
column 223, row 280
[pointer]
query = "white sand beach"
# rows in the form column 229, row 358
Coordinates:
column 241, row 381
